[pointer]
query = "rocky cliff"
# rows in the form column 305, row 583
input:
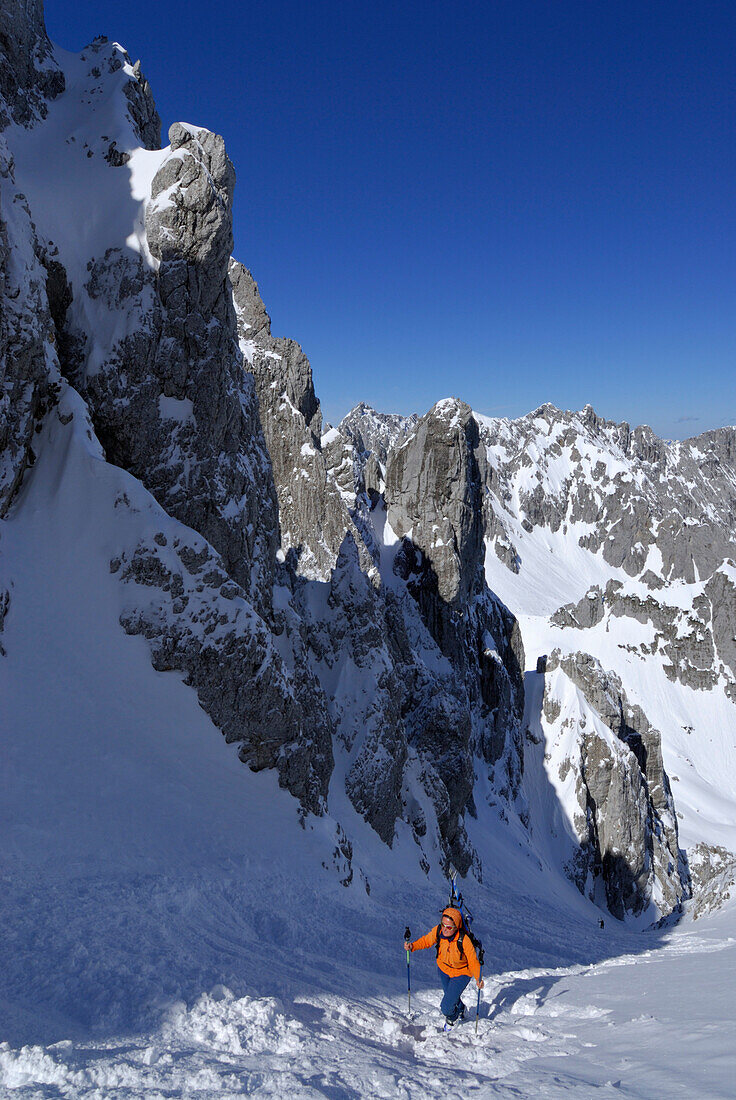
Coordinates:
column 308, row 641
column 615, row 548
column 624, row 812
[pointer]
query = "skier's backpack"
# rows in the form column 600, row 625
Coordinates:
column 456, row 902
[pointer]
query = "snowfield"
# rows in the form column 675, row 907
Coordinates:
column 578, row 1031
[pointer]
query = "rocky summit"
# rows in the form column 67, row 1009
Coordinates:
column 421, row 624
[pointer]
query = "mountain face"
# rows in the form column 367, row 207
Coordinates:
column 376, row 433
column 352, row 608
column 278, row 603
column 623, row 809
column 656, row 517
column 29, row 77
column 616, row 548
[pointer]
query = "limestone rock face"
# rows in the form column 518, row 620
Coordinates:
column 713, row 871
column 313, row 517
column 625, row 817
column 173, row 404
column 29, row 76
column 396, row 706
column 197, row 620
column 171, row 401
column 28, row 372
column 356, row 453
column 293, row 370
column 434, row 495
column 345, row 467
column 721, row 599
column 150, row 340
column 374, row 433
column 189, row 221
column 373, row 731
column 586, row 613
column 142, row 109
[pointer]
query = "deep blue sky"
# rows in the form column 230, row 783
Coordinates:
column 510, row 202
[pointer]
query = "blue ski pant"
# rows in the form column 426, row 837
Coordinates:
column 452, row 989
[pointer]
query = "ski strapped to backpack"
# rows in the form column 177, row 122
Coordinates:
column 456, row 902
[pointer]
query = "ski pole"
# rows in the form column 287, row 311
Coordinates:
column 481, row 955
column 407, row 937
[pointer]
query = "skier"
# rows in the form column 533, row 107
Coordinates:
column 456, row 959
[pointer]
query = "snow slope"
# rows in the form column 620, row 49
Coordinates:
column 104, row 205
column 604, row 1031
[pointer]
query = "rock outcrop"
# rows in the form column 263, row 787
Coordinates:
column 720, row 600
column 313, row 517
column 434, row 492
column 170, row 401
column 28, row 370
column 357, row 453
column 29, row 75
column 374, row 433
column 198, row 621
column 434, row 498
column 625, row 815
column 695, row 642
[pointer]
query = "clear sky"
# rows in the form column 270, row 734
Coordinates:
column 509, row 202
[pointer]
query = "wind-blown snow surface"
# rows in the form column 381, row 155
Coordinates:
column 167, row 927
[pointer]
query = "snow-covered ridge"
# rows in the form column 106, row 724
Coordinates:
column 609, row 541
column 642, row 496
column 374, row 432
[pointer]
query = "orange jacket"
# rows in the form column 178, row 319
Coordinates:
column 449, row 958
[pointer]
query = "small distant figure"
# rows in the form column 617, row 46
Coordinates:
column 601, row 924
